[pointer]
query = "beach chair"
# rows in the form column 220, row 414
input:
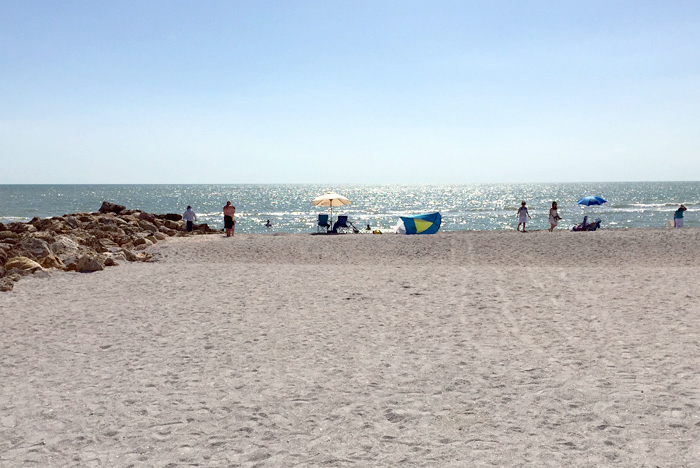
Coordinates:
column 343, row 223
column 581, row 227
column 323, row 223
column 594, row 225
column 586, row 226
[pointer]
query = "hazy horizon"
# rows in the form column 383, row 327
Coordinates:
column 353, row 184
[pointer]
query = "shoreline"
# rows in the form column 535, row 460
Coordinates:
column 483, row 207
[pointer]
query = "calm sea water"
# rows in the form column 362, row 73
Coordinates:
column 289, row 208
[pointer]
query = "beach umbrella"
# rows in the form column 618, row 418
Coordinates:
column 330, row 199
column 591, row 200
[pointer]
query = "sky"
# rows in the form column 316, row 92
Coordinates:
column 351, row 91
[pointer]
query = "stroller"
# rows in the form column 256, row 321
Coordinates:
column 586, row 226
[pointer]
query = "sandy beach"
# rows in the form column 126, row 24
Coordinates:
column 458, row 349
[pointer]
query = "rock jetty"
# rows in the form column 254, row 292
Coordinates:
column 84, row 242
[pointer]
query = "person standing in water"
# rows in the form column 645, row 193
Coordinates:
column 229, row 221
column 523, row 216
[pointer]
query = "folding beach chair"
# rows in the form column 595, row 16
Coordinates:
column 586, row 226
column 343, row 223
column 323, row 223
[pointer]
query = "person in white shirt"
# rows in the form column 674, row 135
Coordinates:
column 190, row 217
column 523, row 216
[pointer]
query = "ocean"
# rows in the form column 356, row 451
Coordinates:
column 288, row 206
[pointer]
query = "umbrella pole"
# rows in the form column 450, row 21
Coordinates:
column 331, row 214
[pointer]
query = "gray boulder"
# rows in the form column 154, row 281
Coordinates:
column 8, row 235
column 87, row 264
column 35, row 248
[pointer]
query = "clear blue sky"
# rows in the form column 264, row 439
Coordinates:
column 348, row 91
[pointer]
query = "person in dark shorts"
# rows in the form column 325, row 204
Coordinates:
column 229, row 221
column 190, row 217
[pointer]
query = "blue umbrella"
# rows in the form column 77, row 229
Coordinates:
column 590, row 200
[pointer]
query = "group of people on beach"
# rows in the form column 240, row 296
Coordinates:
column 554, row 217
column 524, row 215
column 229, row 218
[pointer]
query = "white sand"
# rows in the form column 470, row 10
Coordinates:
column 453, row 350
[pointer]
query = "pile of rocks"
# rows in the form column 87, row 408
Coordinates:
column 83, row 242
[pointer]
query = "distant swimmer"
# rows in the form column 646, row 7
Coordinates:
column 268, row 224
